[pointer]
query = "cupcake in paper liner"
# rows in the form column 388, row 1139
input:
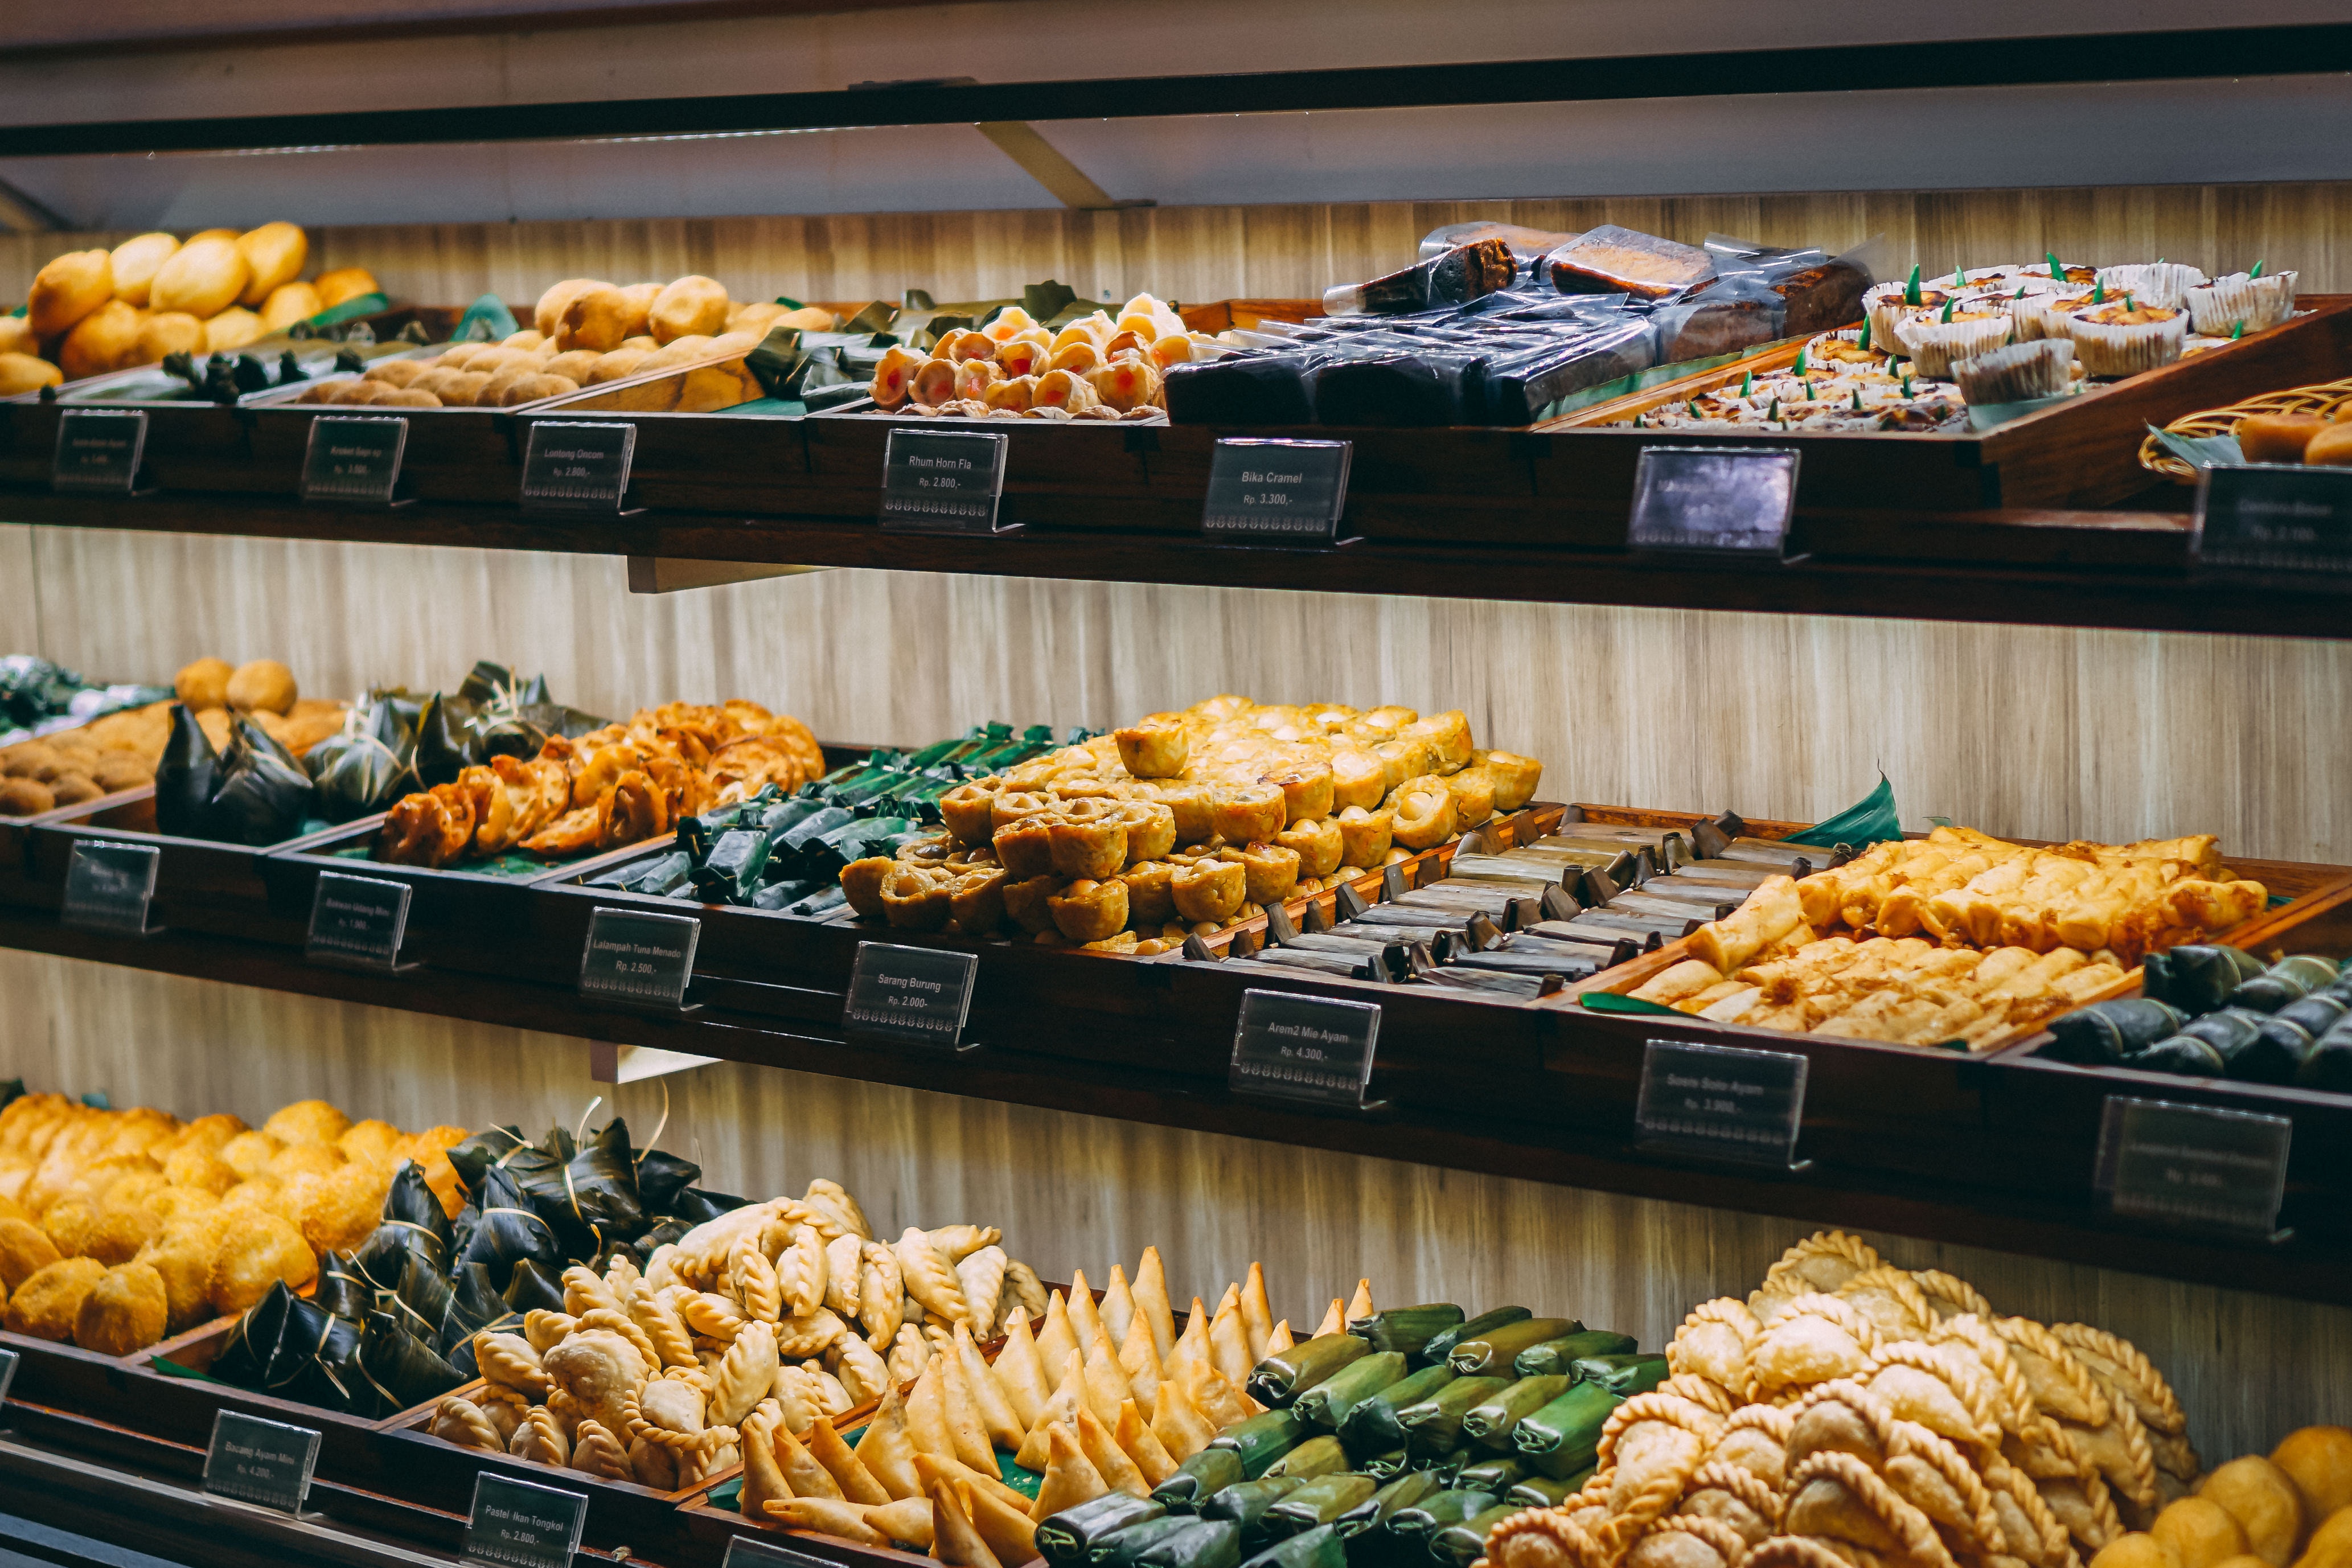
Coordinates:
column 2016, row 373
column 2218, row 307
column 2048, row 313
column 1845, row 347
column 1936, row 344
column 2124, row 337
column 2163, row 283
column 1886, row 308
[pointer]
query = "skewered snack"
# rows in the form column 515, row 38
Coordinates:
column 1955, row 936
column 1249, row 806
column 615, row 785
column 1852, row 1405
column 1095, row 366
column 140, row 1226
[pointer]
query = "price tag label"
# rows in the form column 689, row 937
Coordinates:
column 2275, row 518
column 353, row 459
column 110, row 887
column 918, row 996
column 1284, row 493
column 643, row 959
column 99, row 450
column 357, row 921
column 1307, row 1048
column 522, row 1523
column 1720, row 1100
column 264, row 1462
column 1714, row 499
column 743, row 1552
column 577, row 465
column 2193, row 1165
column 942, row 481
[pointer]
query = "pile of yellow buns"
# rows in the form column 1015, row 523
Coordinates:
column 2293, row 1510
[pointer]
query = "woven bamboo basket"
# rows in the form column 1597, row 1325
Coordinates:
column 2325, row 399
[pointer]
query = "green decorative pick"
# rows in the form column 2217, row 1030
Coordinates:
column 2257, row 272
column 1800, row 366
column 1865, row 334
column 2128, row 301
column 1810, row 395
column 1857, row 400
column 1748, row 385
column 2019, row 294
column 1637, row 422
column 1907, row 383
column 1911, row 289
column 1695, row 409
column 2056, row 271
column 1959, row 276
column 2238, row 331
column 1774, row 411
column 2098, row 293
column 1948, row 309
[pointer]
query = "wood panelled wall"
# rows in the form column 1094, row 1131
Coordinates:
column 1195, row 254
column 2043, row 732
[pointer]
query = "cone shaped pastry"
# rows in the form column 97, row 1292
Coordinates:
column 1150, row 1293
column 908, row 1521
column 1179, row 1424
column 1229, row 1349
column 1335, row 1321
column 1281, row 1340
column 996, row 1417
column 1215, row 1397
column 1061, row 1409
column 1109, row 1458
column 827, row 1516
column 886, row 1451
column 856, row 1482
column 954, row 1540
column 1139, row 1357
column 930, row 1471
column 1021, row 1372
column 1257, row 1316
column 802, row 1472
column 1360, row 1304
column 764, row 1480
column 1135, row 1439
column 927, row 1416
column 1009, row 1531
column 1070, row 1478
column 965, row 1429
column 1192, row 1349
column 1118, row 1310
column 1085, row 1317
column 1056, row 1340
column 1107, row 1381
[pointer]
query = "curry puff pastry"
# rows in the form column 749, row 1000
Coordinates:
column 1295, row 796
column 1956, row 937
column 1850, row 1411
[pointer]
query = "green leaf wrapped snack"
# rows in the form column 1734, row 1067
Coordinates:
column 1490, row 1421
column 1318, row 1501
column 1282, row 1378
column 1415, row 1525
column 1321, row 1547
column 1373, row 1511
column 1555, row 1356
column 1492, row 1353
column 1406, row 1329
column 1373, row 1427
column 1064, row 1538
column 1623, row 1375
column 1543, row 1492
column 1498, row 1473
column 1262, row 1439
column 1328, row 1402
column 1563, row 1436
column 1460, row 1544
column 1440, row 1346
column 1433, row 1426
column 1198, row 1480
column 1122, row 1548
column 1244, row 1506
column 1315, row 1457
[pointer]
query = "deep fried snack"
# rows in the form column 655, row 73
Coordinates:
column 256, row 1253
column 47, row 1305
column 125, row 1312
column 1423, row 811
column 1208, row 890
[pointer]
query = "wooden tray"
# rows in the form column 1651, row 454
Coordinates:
column 2325, row 400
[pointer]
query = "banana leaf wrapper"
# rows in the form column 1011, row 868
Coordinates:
column 699, row 1205
column 1321, row 1547
column 1424, row 1519
column 345, row 1287
column 246, row 1358
column 1281, row 1378
column 731, row 872
column 528, row 1289
column 1200, row 1543
column 661, row 1177
column 1543, row 1492
column 1389, row 1467
column 474, row 1305
column 1262, row 1439
column 1460, row 1545
column 1440, row 1346
column 1373, row 1427
column 1497, row 1473
column 263, row 795
column 403, row 1370
column 1196, row 1480
column 589, row 1198
column 447, row 743
column 1562, row 1437
column 472, row 1156
column 1063, row 1539
column 1492, row 1355
column 1120, row 1549
column 365, row 766
column 1319, row 1501
column 1244, row 1506
column 1314, row 1457
column 1555, row 1356
column 186, row 776
column 1373, row 1511
column 1623, row 1375
column 1326, row 1404
column 421, row 1300
column 507, row 1232
column 1406, row 1329
column 1490, row 1423
column 1433, row 1426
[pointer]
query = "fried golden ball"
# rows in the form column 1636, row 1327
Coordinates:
column 2199, row 1531
column 202, row 1169
column 185, row 1267
column 134, row 263
column 2263, row 1500
column 2331, row 1543
column 344, row 284
column 308, row 1122
column 124, row 1311
column 263, row 686
column 2318, row 1461
column 132, row 1188
column 304, row 1160
column 257, row 1252
column 249, row 1154
column 178, row 1202
column 274, row 255
column 254, row 1195
column 72, row 1225
column 2136, row 1549
column 47, row 1305
column 372, row 1142
column 203, row 684
column 24, row 1250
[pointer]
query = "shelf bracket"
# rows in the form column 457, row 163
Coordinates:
column 668, row 574
column 1043, row 163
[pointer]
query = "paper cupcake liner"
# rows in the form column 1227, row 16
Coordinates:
column 2164, row 283
column 2260, row 302
column 1936, row 345
column 2107, row 350
column 2016, row 372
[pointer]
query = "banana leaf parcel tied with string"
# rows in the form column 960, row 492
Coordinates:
column 368, row 764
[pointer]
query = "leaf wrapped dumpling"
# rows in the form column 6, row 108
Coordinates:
column 263, row 797
column 508, row 1232
column 530, row 1286
column 365, row 766
column 403, row 1370
column 345, row 1289
column 185, row 777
